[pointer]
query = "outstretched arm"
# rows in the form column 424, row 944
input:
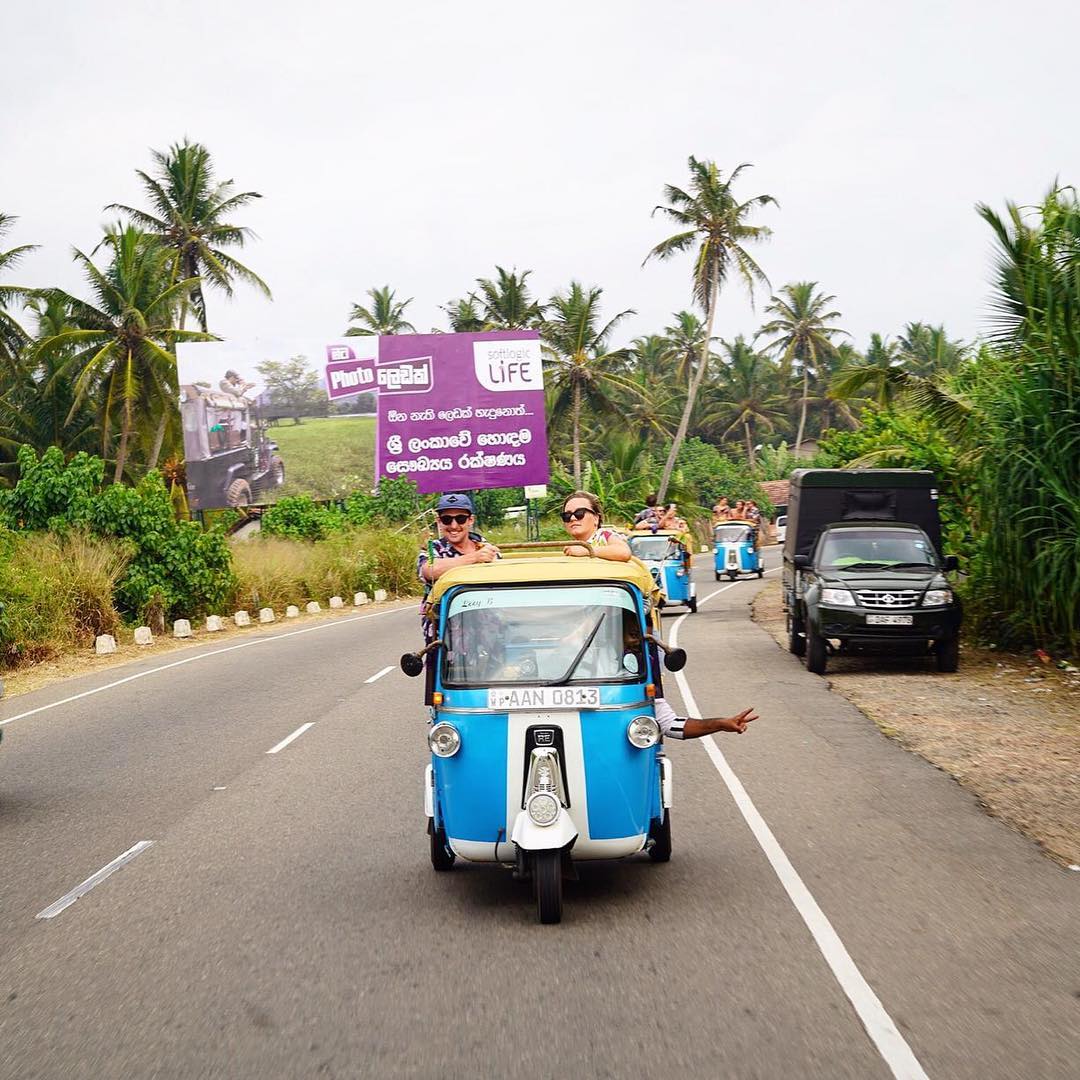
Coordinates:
column 677, row 727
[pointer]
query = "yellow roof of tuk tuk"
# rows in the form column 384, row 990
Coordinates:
column 735, row 521
column 549, row 570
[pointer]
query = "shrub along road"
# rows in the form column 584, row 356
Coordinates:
column 286, row 922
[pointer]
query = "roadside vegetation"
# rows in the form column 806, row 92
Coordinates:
column 88, row 392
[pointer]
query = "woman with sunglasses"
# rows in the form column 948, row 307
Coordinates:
column 583, row 518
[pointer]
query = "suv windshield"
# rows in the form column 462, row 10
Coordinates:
column 549, row 635
column 866, row 549
column 656, row 548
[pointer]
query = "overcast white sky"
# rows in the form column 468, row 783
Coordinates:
column 419, row 144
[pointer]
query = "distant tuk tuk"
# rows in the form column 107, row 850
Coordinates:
column 736, row 549
column 666, row 554
column 545, row 746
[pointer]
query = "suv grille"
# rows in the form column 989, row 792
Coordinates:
column 888, row 599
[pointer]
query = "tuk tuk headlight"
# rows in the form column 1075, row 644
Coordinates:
column 643, row 732
column 937, row 597
column 839, row 597
column 542, row 808
column 444, row 740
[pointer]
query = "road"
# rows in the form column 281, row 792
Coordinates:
column 285, row 921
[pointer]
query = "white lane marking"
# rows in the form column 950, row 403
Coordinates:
column 379, row 674
column 200, row 656
column 885, row 1035
column 289, row 738
column 68, row 899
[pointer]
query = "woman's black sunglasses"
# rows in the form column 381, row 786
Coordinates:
column 576, row 515
column 453, row 519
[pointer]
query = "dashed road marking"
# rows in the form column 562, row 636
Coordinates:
column 97, row 878
column 291, row 738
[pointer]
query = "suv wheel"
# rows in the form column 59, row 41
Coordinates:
column 816, row 651
column 796, row 642
column 947, row 654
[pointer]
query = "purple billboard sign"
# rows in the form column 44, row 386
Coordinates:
column 454, row 410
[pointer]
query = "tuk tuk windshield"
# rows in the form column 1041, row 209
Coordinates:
column 876, row 548
column 733, row 534
column 654, row 548
column 549, row 635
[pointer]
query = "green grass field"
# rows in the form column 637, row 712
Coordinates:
column 326, row 458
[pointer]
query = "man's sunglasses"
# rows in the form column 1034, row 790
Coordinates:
column 453, row 519
column 576, row 515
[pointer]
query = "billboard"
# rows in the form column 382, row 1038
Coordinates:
column 269, row 417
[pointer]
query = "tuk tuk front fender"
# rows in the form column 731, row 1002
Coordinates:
column 554, row 837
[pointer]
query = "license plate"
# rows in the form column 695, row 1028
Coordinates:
column 504, row 698
column 890, row 620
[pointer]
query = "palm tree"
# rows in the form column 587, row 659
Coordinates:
column 801, row 335
column 652, row 409
column 118, row 343
column 831, row 369
column 927, row 350
column 385, row 316
column 685, row 338
column 189, row 211
column 581, row 368
column 747, row 389
column 507, row 303
column 13, row 337
column 464, row 315
column 715, row 222
column 38, row 407
column 881, row 375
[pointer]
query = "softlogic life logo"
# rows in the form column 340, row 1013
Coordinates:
column 508, row 365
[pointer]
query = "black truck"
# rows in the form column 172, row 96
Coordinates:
column 863, row 567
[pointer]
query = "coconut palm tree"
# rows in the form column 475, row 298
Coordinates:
column 581, row 368
column 801, row 336
column 745, row 395
column 464, row 315
column 714, row 222
column 13, row 337
column 385, row 316
column 189, row 207
column 928, row 350
column 118, row 342
column 652, row 410
column 880, row 376
column 506, row 302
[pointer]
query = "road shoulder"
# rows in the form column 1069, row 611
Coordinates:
column 1007, row 728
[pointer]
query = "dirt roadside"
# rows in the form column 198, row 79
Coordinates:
column 1005, row 726
column 85, row 662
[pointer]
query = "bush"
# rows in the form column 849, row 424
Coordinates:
column 58, row 592
column 274, row 571
column 299, row 517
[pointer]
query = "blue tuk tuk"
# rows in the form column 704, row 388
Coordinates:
column 736, row 550
column 666, row 554
column 544, row 742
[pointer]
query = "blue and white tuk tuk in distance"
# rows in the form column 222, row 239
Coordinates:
column 666, row 555
column 736, row 549
column 544, row 742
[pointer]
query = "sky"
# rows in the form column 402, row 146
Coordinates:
column 421, row 144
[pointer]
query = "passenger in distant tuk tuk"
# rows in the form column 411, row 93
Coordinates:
column 611, row 546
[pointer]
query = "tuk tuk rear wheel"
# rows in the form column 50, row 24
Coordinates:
column 442, row 858
column 718, row 574
column 761, row 572
column 660, row 837
column 547, row 883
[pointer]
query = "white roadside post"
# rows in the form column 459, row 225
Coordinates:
column 143, row 635
column 360, row 599
column 181, row 628
column 214, row 623
column 104, row 644
column 242, row 618
column 313, row 608
column 292, row 612
column 266, row 615
column 336, row 602
column 380, row 596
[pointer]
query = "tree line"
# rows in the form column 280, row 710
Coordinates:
column 996, row 418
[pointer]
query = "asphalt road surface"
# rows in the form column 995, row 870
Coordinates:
column 835, row 907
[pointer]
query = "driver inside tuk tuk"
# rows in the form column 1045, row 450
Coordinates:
column 577, row 524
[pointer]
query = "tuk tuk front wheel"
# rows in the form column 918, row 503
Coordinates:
column 442, row 858
column 733, row 574
column 660, row 839
column 547, row 883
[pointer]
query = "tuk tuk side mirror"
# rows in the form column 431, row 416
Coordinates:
column 675, row 659
column 412, row 664
column 951, row 563
column 802, row 562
